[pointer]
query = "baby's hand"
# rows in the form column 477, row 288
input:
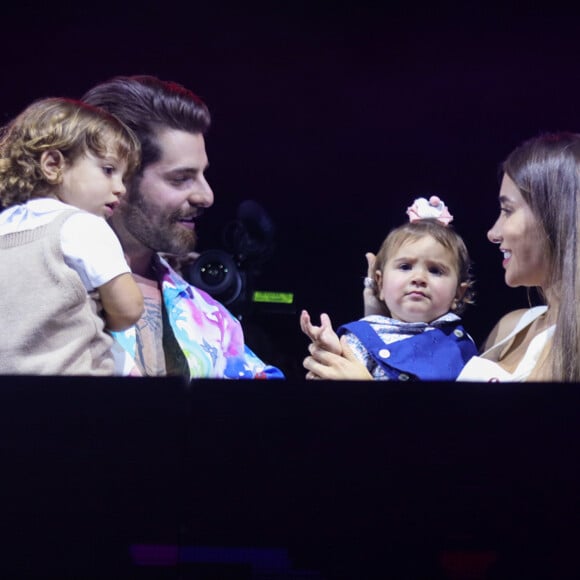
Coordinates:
column 323, row 335
column 322, row 364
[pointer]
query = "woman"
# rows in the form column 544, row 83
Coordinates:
column 537, row 231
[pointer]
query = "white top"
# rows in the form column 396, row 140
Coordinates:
column 484, row 368
column 89, row 245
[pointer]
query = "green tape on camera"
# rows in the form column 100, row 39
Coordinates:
column 273, row 297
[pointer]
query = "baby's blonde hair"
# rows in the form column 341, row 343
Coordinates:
column 57, row 124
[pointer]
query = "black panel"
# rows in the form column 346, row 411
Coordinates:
column 150, row 478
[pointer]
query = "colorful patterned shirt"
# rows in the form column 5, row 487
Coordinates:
column 209, row 336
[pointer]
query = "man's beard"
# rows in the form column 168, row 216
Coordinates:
column 163, row 235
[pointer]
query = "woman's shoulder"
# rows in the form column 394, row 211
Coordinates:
column 508, row 322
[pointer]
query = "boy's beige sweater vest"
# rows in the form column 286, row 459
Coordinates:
column 49, row 324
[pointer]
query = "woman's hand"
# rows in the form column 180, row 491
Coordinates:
column 322, row 364
column 372, row 305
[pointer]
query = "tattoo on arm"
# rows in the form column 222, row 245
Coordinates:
column 151, row 318
column 149, row 337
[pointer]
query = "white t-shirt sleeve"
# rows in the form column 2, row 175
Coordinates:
column 92, row 249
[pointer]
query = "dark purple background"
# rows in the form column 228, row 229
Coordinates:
column 333, row 116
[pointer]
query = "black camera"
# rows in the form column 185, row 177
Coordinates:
column 227, row 274
column 217, row 272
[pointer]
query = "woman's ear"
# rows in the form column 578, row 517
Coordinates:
column 52, row 163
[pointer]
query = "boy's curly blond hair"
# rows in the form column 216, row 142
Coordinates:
column 57, row 124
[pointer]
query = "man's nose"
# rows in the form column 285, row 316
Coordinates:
column 202, row 194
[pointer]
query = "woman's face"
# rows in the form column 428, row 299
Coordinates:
column 521, row 239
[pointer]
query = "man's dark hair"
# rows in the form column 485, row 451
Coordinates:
column 147, row 104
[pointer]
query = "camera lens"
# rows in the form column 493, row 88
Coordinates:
column 216, row 273
column 213, row 273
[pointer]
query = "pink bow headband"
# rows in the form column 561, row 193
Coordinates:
column 433, row 208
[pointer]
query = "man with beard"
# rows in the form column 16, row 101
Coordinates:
column 183, row 331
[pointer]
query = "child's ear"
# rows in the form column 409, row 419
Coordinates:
column 461, row 290
column 379, row 283
column 52, row 163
